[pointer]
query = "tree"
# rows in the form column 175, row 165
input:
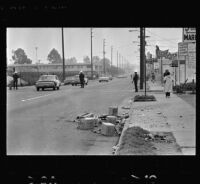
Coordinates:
column 96, row 60
column 19, row 56
column 86, row 60
column 54, row 56
column 71, row 60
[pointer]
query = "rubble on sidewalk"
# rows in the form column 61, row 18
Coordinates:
column 106, row 124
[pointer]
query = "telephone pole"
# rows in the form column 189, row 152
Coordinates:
column 104, row 68
column 63, row 55
column 117, row 62
column 91, row 57
column 111, row 60
column 141, row 58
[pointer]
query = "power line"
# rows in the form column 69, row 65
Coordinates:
column 160, row 36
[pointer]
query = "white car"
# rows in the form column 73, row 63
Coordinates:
column 48, row 81
column 105, row 79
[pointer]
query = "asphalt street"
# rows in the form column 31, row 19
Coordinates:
column 41, row 122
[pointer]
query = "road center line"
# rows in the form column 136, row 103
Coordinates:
column 35, row 98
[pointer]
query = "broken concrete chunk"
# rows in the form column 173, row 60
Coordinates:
column 86, row 123
column 111, row 119
column 113, row 111
column 84, row 115
column 108, row 129
column 125, row 107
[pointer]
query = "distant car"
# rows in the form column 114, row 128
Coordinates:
column 68, row 80
column 105, row 79
column 122, row 76
column 48, row 81
column 110, row 78
column 76, row 80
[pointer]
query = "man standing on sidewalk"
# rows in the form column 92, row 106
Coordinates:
column 135, row 80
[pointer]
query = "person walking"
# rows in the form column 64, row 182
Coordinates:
column 153, row 77
column 15, row 80
column 81, row 77
column 135, row 80
column 167, row 84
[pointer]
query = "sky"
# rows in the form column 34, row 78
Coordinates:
column 77, row 42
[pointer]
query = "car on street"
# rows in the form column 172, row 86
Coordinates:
column 110, row 77
column 68, row 80
column 48, row 81
column 103, row 79
column 76, row 80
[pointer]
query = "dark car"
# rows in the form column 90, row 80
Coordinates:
column 68, row 80
column 76, row 81
column 48, row 81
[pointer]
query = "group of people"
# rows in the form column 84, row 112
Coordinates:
column 167, row 82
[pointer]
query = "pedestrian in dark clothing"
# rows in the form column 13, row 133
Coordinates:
column 81, row 77
column 153, row 77
column 15, row 80
column 135, row 80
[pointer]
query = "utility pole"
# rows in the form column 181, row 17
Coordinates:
column 104, row 68
column 111, row 58
column 37, row 61
column 141, row 58
column 63, row 55
column 91, row 57
column 144, row 61
column 117, row 62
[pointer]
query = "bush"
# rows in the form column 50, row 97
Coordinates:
column 190, row 86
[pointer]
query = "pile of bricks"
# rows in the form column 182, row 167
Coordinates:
column 110, row 124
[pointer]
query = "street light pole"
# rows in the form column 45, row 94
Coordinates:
column 91, row 57
column 37, row 61
column 63, row 55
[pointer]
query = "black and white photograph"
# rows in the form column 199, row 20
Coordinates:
column 101, row 91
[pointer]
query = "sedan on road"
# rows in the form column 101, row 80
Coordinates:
column 48, row 81
column 68, row 80
column 105, row 79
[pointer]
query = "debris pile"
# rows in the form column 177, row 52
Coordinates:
column 110, row 124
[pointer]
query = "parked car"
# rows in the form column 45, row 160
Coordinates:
column 68, row 80
column 110, row 77
column 104, row 78
column 48, row 81
column 76, row 80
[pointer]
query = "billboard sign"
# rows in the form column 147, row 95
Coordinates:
column 183, row 49
column 189, row 35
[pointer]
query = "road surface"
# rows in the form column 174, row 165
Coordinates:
column 41, row 123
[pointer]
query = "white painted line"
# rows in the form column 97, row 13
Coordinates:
column 35, row 97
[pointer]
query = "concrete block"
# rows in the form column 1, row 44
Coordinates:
column 108, row 129
column 111, row 119
column 113, row 111
column 86, row 123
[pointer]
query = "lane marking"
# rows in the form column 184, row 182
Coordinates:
column 35, row 97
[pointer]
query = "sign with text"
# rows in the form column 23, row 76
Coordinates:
column 191, row 47
column 189, row 34
column 183, row 49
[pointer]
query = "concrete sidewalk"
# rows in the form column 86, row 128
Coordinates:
column 166, row 114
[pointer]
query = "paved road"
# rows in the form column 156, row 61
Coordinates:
column 41, row 123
